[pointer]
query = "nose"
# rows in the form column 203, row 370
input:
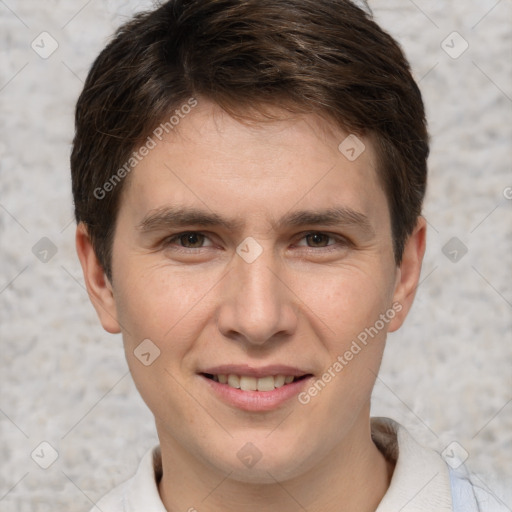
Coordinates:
column 257, row 304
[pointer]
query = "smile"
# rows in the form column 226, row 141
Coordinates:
column 256, row 393
column 250, row 383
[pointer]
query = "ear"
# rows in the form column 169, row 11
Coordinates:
column 98, row 286
column 408, row 274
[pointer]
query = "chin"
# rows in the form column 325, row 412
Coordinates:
column 264, row 465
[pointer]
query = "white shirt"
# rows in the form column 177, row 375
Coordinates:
column 421, row 482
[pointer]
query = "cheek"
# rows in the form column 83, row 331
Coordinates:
column 166, row 307
column 349, row 308
column 349, row 300
column 170, row 305
column 159, row 303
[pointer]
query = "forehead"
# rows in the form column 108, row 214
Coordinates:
column 221, row 164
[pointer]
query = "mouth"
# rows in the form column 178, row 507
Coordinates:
column 256, row 390
column 250, row 383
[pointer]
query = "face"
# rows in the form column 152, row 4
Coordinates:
column 255, row 254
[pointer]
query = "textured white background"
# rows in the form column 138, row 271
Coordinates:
column 446, row 375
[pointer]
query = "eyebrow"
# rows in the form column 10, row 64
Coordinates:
column 177, row 217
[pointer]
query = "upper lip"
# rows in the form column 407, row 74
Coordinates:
column 251, row 371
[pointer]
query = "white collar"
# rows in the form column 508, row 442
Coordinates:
column 421, row 479
column 420, row 482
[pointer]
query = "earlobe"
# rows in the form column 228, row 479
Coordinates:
column 98, row 286
column 408, row 274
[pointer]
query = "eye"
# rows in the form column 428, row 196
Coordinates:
column 191, row 240
column 187, row 240
column 320, row 240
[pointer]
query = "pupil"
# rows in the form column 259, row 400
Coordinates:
column 191, row 239
column 317, row 238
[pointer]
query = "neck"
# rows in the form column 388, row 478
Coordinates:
column 353, row 477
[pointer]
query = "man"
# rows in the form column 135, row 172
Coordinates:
column 248, row 180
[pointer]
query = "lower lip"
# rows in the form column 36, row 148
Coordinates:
column 256, row 400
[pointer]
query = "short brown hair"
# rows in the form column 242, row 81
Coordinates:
column 307, row 56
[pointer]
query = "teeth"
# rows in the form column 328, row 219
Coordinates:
column 234, row 381
column 246, row 383
column 266, row 384
column 279, row 381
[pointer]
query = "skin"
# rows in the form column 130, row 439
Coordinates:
column 301, row 302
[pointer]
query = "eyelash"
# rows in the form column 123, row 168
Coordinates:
column 342, row 241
